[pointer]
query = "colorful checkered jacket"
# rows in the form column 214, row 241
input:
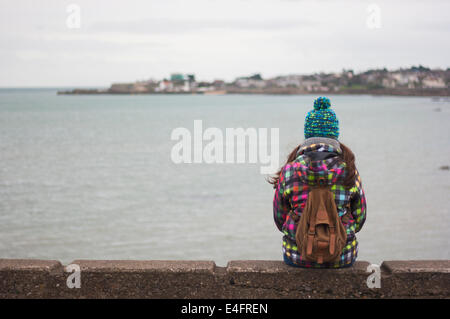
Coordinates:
column 292, row 192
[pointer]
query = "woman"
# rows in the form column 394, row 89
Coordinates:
column 320, row 157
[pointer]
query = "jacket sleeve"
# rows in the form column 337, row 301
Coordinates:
column 358, row 204
column 281, row 206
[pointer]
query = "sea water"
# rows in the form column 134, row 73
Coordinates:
column 91, row 176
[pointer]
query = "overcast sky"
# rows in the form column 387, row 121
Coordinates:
column 130, row 40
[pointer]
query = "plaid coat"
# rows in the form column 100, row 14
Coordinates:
column 292, row 192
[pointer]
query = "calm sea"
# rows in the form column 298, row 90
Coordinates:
column 92, row 177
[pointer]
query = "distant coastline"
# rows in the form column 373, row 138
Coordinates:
column 398, row 92
column 414, row 81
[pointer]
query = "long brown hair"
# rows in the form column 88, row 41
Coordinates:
column 347, row 157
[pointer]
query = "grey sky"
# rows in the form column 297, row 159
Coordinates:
column 132, row 40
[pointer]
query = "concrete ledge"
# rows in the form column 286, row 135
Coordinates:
column 30, row 265
column 29, row 278
column 426, row 278
column 274, row 279
column 144, row 279
column 21, row 278
column 279, row 267
column 160, row 266
column 420, row 266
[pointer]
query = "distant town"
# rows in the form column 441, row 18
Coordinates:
column 418, row 81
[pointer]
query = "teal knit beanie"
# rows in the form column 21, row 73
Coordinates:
column 322, row 121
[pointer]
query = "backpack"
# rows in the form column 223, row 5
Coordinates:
column 321, row 235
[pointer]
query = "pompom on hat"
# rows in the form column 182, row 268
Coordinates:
column 322, row 121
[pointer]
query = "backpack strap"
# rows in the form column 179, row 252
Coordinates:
column 332, row 239
column 311, row 233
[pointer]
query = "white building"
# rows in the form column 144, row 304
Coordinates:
column 433, row 82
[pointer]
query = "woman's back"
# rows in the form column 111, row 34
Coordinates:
column 323, row 158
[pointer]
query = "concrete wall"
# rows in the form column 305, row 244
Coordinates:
column 29, row 278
